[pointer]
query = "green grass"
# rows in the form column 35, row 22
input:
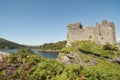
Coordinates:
column 104, row 70
column 88, row 47
column 105, row 66
column 34, row 67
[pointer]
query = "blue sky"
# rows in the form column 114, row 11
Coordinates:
column 35, row 22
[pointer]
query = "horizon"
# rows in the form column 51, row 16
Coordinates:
column 35, row 22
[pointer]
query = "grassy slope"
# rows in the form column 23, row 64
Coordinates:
column 24, row 65
column 104, row 66
column 27, row 66
column 103, row 70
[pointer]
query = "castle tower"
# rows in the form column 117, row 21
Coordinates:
column 73, row 31
column 105, row 32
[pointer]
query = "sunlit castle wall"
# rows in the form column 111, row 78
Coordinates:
column 102, row 33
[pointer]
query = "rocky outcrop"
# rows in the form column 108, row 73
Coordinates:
column 116, row 59
column 75, row 58
column 102, row 33
column 3, row 55
column 68, row 58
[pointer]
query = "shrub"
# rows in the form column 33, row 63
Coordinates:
column 68, row 50
column 35, row 67
column 108, row 46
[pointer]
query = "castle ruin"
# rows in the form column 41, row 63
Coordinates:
column 102, row 33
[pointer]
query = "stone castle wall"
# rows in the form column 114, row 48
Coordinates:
column 102, row 33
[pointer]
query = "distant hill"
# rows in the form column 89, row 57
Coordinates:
column 5, row 44
column 52, row 46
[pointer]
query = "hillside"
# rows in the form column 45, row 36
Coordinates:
column 80, row 48
column 99, row 61
column 5, row 44
column 52, row 46
column 82, row 61
column 25, row 65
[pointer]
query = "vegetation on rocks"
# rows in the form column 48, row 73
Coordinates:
column 88, row 47
column 25, row 65
column 89, row 53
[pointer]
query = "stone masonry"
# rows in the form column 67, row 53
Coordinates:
column 102, row 33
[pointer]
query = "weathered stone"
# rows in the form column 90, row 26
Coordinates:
column 74, row 58
column 70, row 58
column 102, row 33
column 91, row 63
column 3, row 54
column 116, row 60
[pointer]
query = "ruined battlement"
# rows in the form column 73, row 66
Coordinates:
column 75, row 26
column 101, row 33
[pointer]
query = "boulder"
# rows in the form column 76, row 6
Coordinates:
column 3, row 55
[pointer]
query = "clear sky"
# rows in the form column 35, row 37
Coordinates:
column 35, row 22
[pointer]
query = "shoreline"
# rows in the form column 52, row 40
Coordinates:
column 56, row 51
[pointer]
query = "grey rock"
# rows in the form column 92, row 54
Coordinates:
column 74, row 58
column 91, row 63
column 69, row 58
column 3, row 55
column 116, row 60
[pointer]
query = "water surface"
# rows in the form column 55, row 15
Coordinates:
column 51, row 55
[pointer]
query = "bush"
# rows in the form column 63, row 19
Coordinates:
column 34, row 67
column 108, row 46
column 25, row 51
column 99, row 75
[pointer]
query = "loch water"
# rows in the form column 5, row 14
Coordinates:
column 51, row 55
